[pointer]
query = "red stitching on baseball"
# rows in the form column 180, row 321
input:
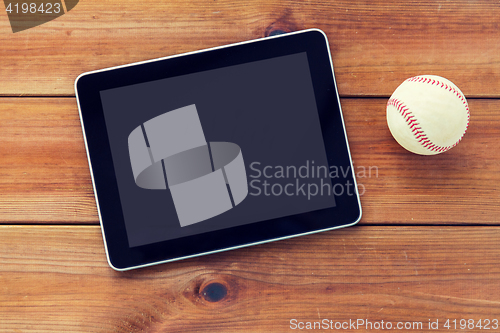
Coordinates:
column 449, row 88
column 420, row 136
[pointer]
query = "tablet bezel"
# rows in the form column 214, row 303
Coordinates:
column 347, row 211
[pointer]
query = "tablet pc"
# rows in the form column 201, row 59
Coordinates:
column 217, row 149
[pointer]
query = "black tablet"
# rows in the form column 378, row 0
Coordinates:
column 217, row 149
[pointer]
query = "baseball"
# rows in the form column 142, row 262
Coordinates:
column 427, row 114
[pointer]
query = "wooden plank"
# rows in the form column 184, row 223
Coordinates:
column 55, row 279
column 45, row 175
column 43, row 165
column 459, row 186
column 375, row 45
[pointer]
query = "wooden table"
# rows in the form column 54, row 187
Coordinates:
column 426, row 249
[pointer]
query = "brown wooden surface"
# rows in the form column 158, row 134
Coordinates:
column 57, row 279
column 45, row 175
column 399, row 264
column 375, row 44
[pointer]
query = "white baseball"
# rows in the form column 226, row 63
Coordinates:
column 428, row 114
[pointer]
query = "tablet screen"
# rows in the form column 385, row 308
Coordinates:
column 217, row 149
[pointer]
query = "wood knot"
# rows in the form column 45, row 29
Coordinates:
column 282, row 25
column 213, row 292
column 277, row 32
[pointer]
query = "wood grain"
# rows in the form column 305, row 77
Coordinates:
column 43, row 165
column 55, row 279
column 46, row 179
column 375, row 44
column 460, row 186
